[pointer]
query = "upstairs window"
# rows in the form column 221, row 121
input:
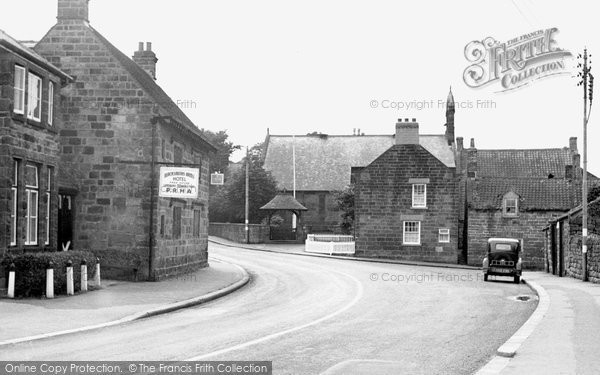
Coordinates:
column 510, row 204
column 50, row 103
column 412, row 233
column 419, row 195
column 34, row 98
column 19, row 105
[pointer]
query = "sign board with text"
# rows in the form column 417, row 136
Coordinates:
column 177, row 182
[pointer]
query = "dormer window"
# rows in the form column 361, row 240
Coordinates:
column 510, row 204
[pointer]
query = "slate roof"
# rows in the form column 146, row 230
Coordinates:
column 284, row 201
column 20, row 49
column 534, row 193
column 149, row 85
column 323, row 162
column 523, row 163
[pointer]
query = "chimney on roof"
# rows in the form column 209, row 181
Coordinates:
column 146, row 59
column 459, row 143
column 407, row 132
column 573, row 145
column 472, row 143
column 576, row 161
column 73, row 10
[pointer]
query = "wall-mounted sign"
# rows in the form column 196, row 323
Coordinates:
column 178, row 182
column 217, row 178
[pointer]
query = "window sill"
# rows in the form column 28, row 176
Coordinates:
column 411, row 244
column 418, row 208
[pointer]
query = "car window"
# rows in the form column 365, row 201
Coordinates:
column 503, row 247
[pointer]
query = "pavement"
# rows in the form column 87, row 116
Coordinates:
column 116, row 302
column 561, row 336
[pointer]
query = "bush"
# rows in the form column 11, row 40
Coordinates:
column 30, row 270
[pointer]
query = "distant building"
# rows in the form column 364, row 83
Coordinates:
column 118, row 127
column 406, row 202
column 30, row 116
column 426, row 197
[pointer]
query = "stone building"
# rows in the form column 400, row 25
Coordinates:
column 118, row 128
column 562, row 246
column 514, row 193
column 29, row 149
column 406, row 202
column 323, row 166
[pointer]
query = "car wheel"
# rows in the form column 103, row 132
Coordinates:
column 517, row 279
column 485, row 277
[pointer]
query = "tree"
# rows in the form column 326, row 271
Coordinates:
column 229, row 202
column 225, row 148
column 345, row 202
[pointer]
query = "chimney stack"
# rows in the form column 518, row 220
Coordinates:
column 573, row 145
column 459, row 143
column 472, row 142
column 146, row 59
column 73, row 10
column 407, row 132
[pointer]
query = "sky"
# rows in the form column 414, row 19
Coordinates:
column 332, row 66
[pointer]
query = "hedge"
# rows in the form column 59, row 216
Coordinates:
column 30, row 270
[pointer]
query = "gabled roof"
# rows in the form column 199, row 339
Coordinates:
column 10, row 43
column 534, row 193
column 284, row 201
column 323, row 162
column 148, row 84
column 523, row 163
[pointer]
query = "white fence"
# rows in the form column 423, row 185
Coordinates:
column 329, row 244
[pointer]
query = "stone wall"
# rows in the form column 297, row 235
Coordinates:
column 484, row 224
column 384, row 200
column 236, row 232
column 573, row 251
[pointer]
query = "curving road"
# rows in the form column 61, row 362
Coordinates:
column 315, row 315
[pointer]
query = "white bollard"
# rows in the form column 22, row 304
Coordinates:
column 11, row 281
column 70, row 286
column 84, row 276
column 97, row 275
column 50, row 281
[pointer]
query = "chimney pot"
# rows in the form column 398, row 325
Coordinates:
column 148, row 46
column 405, row 120
column 141, row 47
column 472, row 142
column 459, row 143
column 399, row 120
column 414, row 120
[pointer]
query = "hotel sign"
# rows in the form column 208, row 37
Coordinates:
column 178, row 182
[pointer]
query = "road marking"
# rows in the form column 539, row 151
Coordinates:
column 358, row 296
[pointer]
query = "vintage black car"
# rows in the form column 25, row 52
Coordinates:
column 503, row 258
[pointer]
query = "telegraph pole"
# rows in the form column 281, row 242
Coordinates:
column 247, row 194
column 588, row 88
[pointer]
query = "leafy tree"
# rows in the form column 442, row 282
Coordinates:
column 229, row 203
column 593, row 193
column 345, row 202
column 225, row 148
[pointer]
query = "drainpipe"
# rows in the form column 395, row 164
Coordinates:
column 152, row 178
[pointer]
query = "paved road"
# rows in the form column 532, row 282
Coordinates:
column 313, row 315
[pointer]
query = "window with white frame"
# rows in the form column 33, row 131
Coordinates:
column 510, row 204
column 412, row 233
column 34, row 98
column 19, row 85
column 419, row 195
column 444, row 235
column 13, row 206
column 31, row 212
column 48, row 204
column 50, row 103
